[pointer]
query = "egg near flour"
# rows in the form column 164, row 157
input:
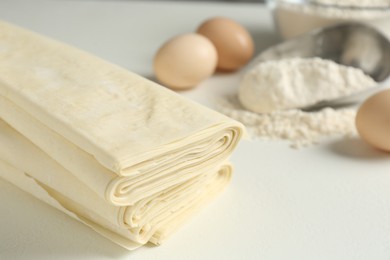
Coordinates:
column 233, row 42
column 184, row 61
column 373, row 120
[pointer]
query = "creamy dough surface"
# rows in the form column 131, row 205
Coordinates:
column 117, row 151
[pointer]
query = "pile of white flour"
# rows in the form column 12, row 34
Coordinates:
column 284, row 121
column 298, row 83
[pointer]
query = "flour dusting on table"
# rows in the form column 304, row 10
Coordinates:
column 298, row 127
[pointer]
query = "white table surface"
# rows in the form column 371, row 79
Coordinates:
column 330, row 201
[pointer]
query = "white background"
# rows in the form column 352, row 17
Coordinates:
column 330, row 201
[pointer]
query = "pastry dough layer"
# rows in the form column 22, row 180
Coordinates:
column 151, row 219
column 120, row 118
column 122, row 154
column 124, row 136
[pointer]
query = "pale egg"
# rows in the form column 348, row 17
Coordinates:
column 185, row 60
column 373, row 120
column 233, row 42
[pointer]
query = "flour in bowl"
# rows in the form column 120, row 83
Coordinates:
column 293, row 19
column 355, row 3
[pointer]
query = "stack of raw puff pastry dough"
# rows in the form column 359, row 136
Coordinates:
column 116, row 151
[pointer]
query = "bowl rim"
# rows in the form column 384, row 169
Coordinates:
column 315, row 3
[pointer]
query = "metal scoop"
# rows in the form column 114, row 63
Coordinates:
column 350, row 44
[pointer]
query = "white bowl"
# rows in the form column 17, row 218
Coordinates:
column 295, row 17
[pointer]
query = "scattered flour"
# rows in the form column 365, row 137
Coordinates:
column 298, row 83
column 298, row 127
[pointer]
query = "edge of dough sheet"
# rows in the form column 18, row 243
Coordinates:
column 32, row 186
column 29, row 185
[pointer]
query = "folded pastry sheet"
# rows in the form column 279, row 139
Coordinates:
column 150, row 219
column 121, row 134
column 115, row 150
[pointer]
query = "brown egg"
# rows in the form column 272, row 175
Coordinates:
column 233, row 42
column 373, row 120
column 185, row 60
